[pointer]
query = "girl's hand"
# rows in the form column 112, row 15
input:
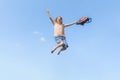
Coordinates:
column 47, row 11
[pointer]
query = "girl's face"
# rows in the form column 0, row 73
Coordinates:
column 59, row 20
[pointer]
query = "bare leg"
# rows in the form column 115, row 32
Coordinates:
column 62, row 49
column 57, row 46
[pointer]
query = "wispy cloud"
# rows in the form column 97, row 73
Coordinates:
column 40, row 34
column 36, row 32
column 42, row 39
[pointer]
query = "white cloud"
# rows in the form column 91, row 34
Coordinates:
column 36, row 32
column 42, row 39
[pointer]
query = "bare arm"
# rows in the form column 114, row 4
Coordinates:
column 47, row 11
column 70, row 24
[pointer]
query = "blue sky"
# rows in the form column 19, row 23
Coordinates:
column 26, row 39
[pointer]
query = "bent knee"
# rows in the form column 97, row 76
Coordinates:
column 61, row 43
column 65, row 47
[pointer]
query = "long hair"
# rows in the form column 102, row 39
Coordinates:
column 60, row 18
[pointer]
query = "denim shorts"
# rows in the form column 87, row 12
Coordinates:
column 58, row 39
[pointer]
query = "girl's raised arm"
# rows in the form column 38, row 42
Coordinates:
column 47, row 11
